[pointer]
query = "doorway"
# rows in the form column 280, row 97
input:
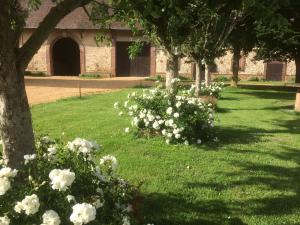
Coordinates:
column 66, row 57
column 139, row 67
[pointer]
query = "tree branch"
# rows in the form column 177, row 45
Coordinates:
column 56, row 14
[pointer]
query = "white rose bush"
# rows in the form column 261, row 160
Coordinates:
column 177, row 115
column 63, row 184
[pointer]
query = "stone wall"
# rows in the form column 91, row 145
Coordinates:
column 93, row 58
column 101, row 59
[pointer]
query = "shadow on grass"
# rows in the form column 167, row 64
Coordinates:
column 175, row 209
column 269, row 190
column 282, row 95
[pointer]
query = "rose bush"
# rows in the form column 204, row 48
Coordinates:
column 176, row 114
column 61, row 184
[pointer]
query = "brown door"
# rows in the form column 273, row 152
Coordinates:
column 275, row 71
column 140, row 66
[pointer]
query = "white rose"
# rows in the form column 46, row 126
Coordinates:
column 109, row 161
column 176, row 115
column 4, row 220
column 51, row 217
column 8, row 172
column 83, row 214
column 169, row 111
column 61, row 179
column 30, row 205
column 4, row 185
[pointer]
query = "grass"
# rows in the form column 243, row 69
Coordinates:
column 252, row 176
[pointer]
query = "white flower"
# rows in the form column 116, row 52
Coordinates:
column 98, row 204
column 83, row 214
column 4, row 185
column 199, row 141
column 84, row 146
column 116, row 105
column 127, row 130
column 169, row 111
column 176, row 115
column 29, row 158
column 52, row 150
column 161, row 122
column 126, row 104
column 150, row 117
column 30, row 205
column 168, row 141
column 71, row 198
column 126, row 221
column 177, row 136
column 156, row 125
column 110, row 161
column 164, row 132
column 120, row 113
column 8, row 172
column 4, row 220
column 136, row 121
column 46, row 140
column 61, row 179
column 186, row 143
column 178, row 104
column 50, row 217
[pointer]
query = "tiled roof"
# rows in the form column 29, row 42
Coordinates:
column 78, row 19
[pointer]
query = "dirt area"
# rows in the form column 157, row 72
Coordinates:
column 50, row 89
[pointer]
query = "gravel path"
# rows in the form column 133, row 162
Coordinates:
column 49, row 89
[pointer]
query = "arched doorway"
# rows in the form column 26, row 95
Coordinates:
column 66, row 57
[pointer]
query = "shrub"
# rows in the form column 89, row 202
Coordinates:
column 176, row 115
column 90, row 76
column 221, row 79
column 213, row 89
column 254, row 79
column 61, row 184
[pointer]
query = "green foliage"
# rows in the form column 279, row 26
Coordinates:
column 90, row 76
column 221, row 79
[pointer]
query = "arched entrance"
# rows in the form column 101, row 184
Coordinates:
column 66, row 57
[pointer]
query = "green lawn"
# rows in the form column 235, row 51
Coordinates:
column 252, row 176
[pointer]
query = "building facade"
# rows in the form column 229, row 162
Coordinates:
column 71, row 49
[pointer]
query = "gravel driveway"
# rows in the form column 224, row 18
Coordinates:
column 50, row 89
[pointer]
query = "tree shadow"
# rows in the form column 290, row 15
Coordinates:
column 278, row 95
column 176, row 209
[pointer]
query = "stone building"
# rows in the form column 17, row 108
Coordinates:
column 71, row 49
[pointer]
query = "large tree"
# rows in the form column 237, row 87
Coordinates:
column 15, row 118
column 161, row 21
column 279, row 34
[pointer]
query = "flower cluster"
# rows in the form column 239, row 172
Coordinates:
column 6, row 175
column 212, row 89
column 176, row 115
column 61, row 184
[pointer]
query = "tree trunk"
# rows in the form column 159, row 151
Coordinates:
column 297, row 61
column 172, row 69
column 207, row 74
column 15, row 118
column 200, row 73
column 235, row 66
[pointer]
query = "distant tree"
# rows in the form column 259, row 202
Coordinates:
column 279, row 34
column 15, row 118
column 211, row 24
